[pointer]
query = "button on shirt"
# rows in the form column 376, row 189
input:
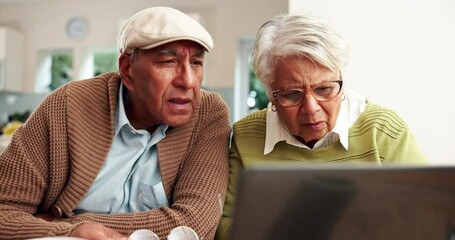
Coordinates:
column 130, row 179
column 351, row 107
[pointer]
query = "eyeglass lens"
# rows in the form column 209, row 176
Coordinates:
column 322, row 92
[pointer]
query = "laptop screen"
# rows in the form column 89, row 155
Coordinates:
column 345, row 202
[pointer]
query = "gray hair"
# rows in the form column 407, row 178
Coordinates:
column 296, row 34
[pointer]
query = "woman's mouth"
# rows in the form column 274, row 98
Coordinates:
column 315, row 125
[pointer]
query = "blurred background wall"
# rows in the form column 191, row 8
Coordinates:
column 400, row 51
column 401, row 57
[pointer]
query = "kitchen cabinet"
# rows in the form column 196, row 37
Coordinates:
column 11, row 60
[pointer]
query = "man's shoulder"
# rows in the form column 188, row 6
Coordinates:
column 211, row 97
column 211, row 107
column 212, row 101
column 99, row 87
column 102, row 80
column 212, row 104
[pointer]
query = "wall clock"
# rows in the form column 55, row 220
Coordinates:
column 77, row 28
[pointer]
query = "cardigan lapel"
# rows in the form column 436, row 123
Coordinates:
column 172, row 151
column 90, row 124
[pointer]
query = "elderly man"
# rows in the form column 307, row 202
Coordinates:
column 144, row 148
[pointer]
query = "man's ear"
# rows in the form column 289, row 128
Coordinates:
column 124, row 63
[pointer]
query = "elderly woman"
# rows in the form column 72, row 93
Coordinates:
column 311, row 118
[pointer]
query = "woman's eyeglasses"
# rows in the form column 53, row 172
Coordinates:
column 322, row 92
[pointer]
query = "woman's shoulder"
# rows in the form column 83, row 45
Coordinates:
column 254, row 118
column 382, row 118
column 252, row 124
column 381, row 113
column 259, row 115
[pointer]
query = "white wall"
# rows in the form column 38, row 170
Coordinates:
column 401, row 58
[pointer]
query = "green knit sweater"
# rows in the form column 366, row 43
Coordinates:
column 379, row 136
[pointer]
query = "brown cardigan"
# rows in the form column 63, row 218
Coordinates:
column 56, row 155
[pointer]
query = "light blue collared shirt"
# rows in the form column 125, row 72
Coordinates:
column 130, row 179
column 351, row 107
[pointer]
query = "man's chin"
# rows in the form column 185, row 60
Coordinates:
column 177, row 121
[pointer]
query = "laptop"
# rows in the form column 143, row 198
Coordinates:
column 345, row 203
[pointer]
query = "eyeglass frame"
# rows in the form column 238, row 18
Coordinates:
column 274, row 93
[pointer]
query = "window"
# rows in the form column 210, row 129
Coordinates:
column 105, row 61
column 257, row 99
column 249, row 93
column 55, row 68
column 61, row 69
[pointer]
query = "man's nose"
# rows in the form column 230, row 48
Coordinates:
column 186, row 77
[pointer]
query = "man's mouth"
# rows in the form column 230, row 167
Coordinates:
column 180, row 100
column 180, row 103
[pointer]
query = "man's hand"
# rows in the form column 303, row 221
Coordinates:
column 96, row 231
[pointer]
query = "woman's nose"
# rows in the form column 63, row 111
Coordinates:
column 310, row 105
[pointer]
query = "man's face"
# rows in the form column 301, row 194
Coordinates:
column 163, row 83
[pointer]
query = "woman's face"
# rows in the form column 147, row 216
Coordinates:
column 311, row 119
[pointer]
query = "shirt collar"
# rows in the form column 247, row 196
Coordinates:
column 121, row 119
column 120, row 115
column 351, row 108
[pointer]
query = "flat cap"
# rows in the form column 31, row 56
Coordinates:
column 156, row 26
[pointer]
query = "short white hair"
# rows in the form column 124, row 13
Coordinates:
column 301, row 34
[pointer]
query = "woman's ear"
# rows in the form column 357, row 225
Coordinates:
column 125, row 71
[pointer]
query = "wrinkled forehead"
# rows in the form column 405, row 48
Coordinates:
column 178, row 48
